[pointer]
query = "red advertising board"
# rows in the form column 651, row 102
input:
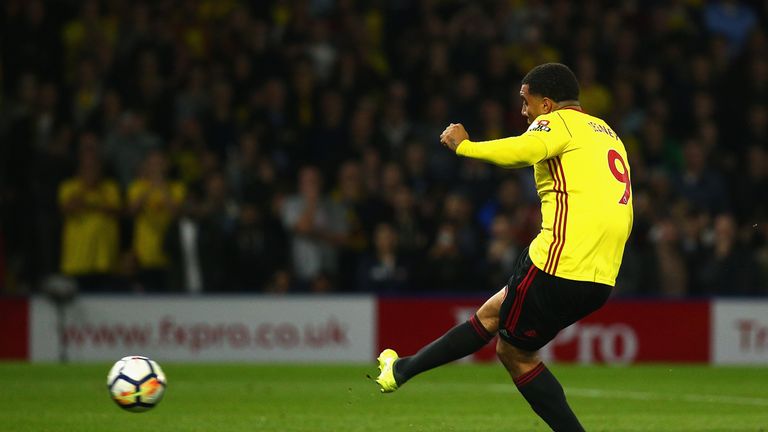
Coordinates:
column 620, row 332
column 14, row 322
column 408, row 324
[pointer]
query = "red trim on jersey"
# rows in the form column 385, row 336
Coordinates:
column 561, row 208
column 560, row 227
column 557, row 214
column 522, row 289
column 529, row 376
column 564, row 215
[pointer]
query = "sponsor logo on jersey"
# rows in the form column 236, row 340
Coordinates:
column 541, row 126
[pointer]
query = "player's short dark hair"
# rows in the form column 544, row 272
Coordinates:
column 553, row 80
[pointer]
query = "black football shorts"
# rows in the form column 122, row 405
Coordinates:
column 537, row 305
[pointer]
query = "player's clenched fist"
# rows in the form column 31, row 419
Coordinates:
column 453, row 135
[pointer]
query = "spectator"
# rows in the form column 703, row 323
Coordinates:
column 408, row 225
column 502, row 251
column 595, row 97
column 260, row 249
column 329, row 137
column 349, row 195
column 751, row 188
column 492, row 120
column 729, row 268
column 392, row 178
column 185, row 249
column 90, row 241
column 221, row 127
column 193, row 100
column 508, row 198
column 445, row 268
column 250, row 173
column 87, row 92
column 199, row 243
column 670, row 265
column 128, row 146
column 626, row 115
column 107, row 116
column 698, row 184
column 732, row 19
column 441, row 164
column 383, row 270
column 186, row 152
column 361, row 130
column 659, row 151
column 465, row 101
column 317, row 227
column 395, row 127
column 154, row 202
column 458, row 211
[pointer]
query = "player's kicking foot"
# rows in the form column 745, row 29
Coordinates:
column 386, row 379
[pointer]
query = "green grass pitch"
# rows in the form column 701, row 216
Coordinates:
column 239, row 397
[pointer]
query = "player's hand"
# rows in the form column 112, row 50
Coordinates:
column 453, row 135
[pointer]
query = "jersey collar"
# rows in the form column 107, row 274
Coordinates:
column 573, row 107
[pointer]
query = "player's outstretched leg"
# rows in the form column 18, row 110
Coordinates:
column 539, row 387
column 460, row 341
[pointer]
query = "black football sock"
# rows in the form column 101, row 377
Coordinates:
column 545, row 395
column 458, row 342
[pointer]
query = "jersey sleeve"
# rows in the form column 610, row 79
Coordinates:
column 548, row 136
column 512, row 152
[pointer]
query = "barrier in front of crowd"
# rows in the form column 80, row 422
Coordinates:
column 355, row 328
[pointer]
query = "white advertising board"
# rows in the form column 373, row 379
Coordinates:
column 242, row 329
column 739, row 332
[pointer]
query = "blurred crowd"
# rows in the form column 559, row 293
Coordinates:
column 292, row 145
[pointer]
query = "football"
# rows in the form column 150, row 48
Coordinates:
column 136, row 383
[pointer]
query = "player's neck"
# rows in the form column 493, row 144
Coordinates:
column 568, row 104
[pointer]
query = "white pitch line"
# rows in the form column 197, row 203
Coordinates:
column 649, row 396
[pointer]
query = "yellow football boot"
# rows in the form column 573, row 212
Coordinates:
column 386, row 379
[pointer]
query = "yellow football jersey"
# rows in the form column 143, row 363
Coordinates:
column 90, row 237
column 583, row 179
column 152, row 221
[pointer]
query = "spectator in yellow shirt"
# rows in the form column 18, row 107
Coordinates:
column 154, row 202
column 90, row 205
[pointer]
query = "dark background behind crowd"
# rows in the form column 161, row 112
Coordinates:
column 292, row 146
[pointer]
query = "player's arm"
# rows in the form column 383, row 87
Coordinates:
column 542, row 140
column 513, row 152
